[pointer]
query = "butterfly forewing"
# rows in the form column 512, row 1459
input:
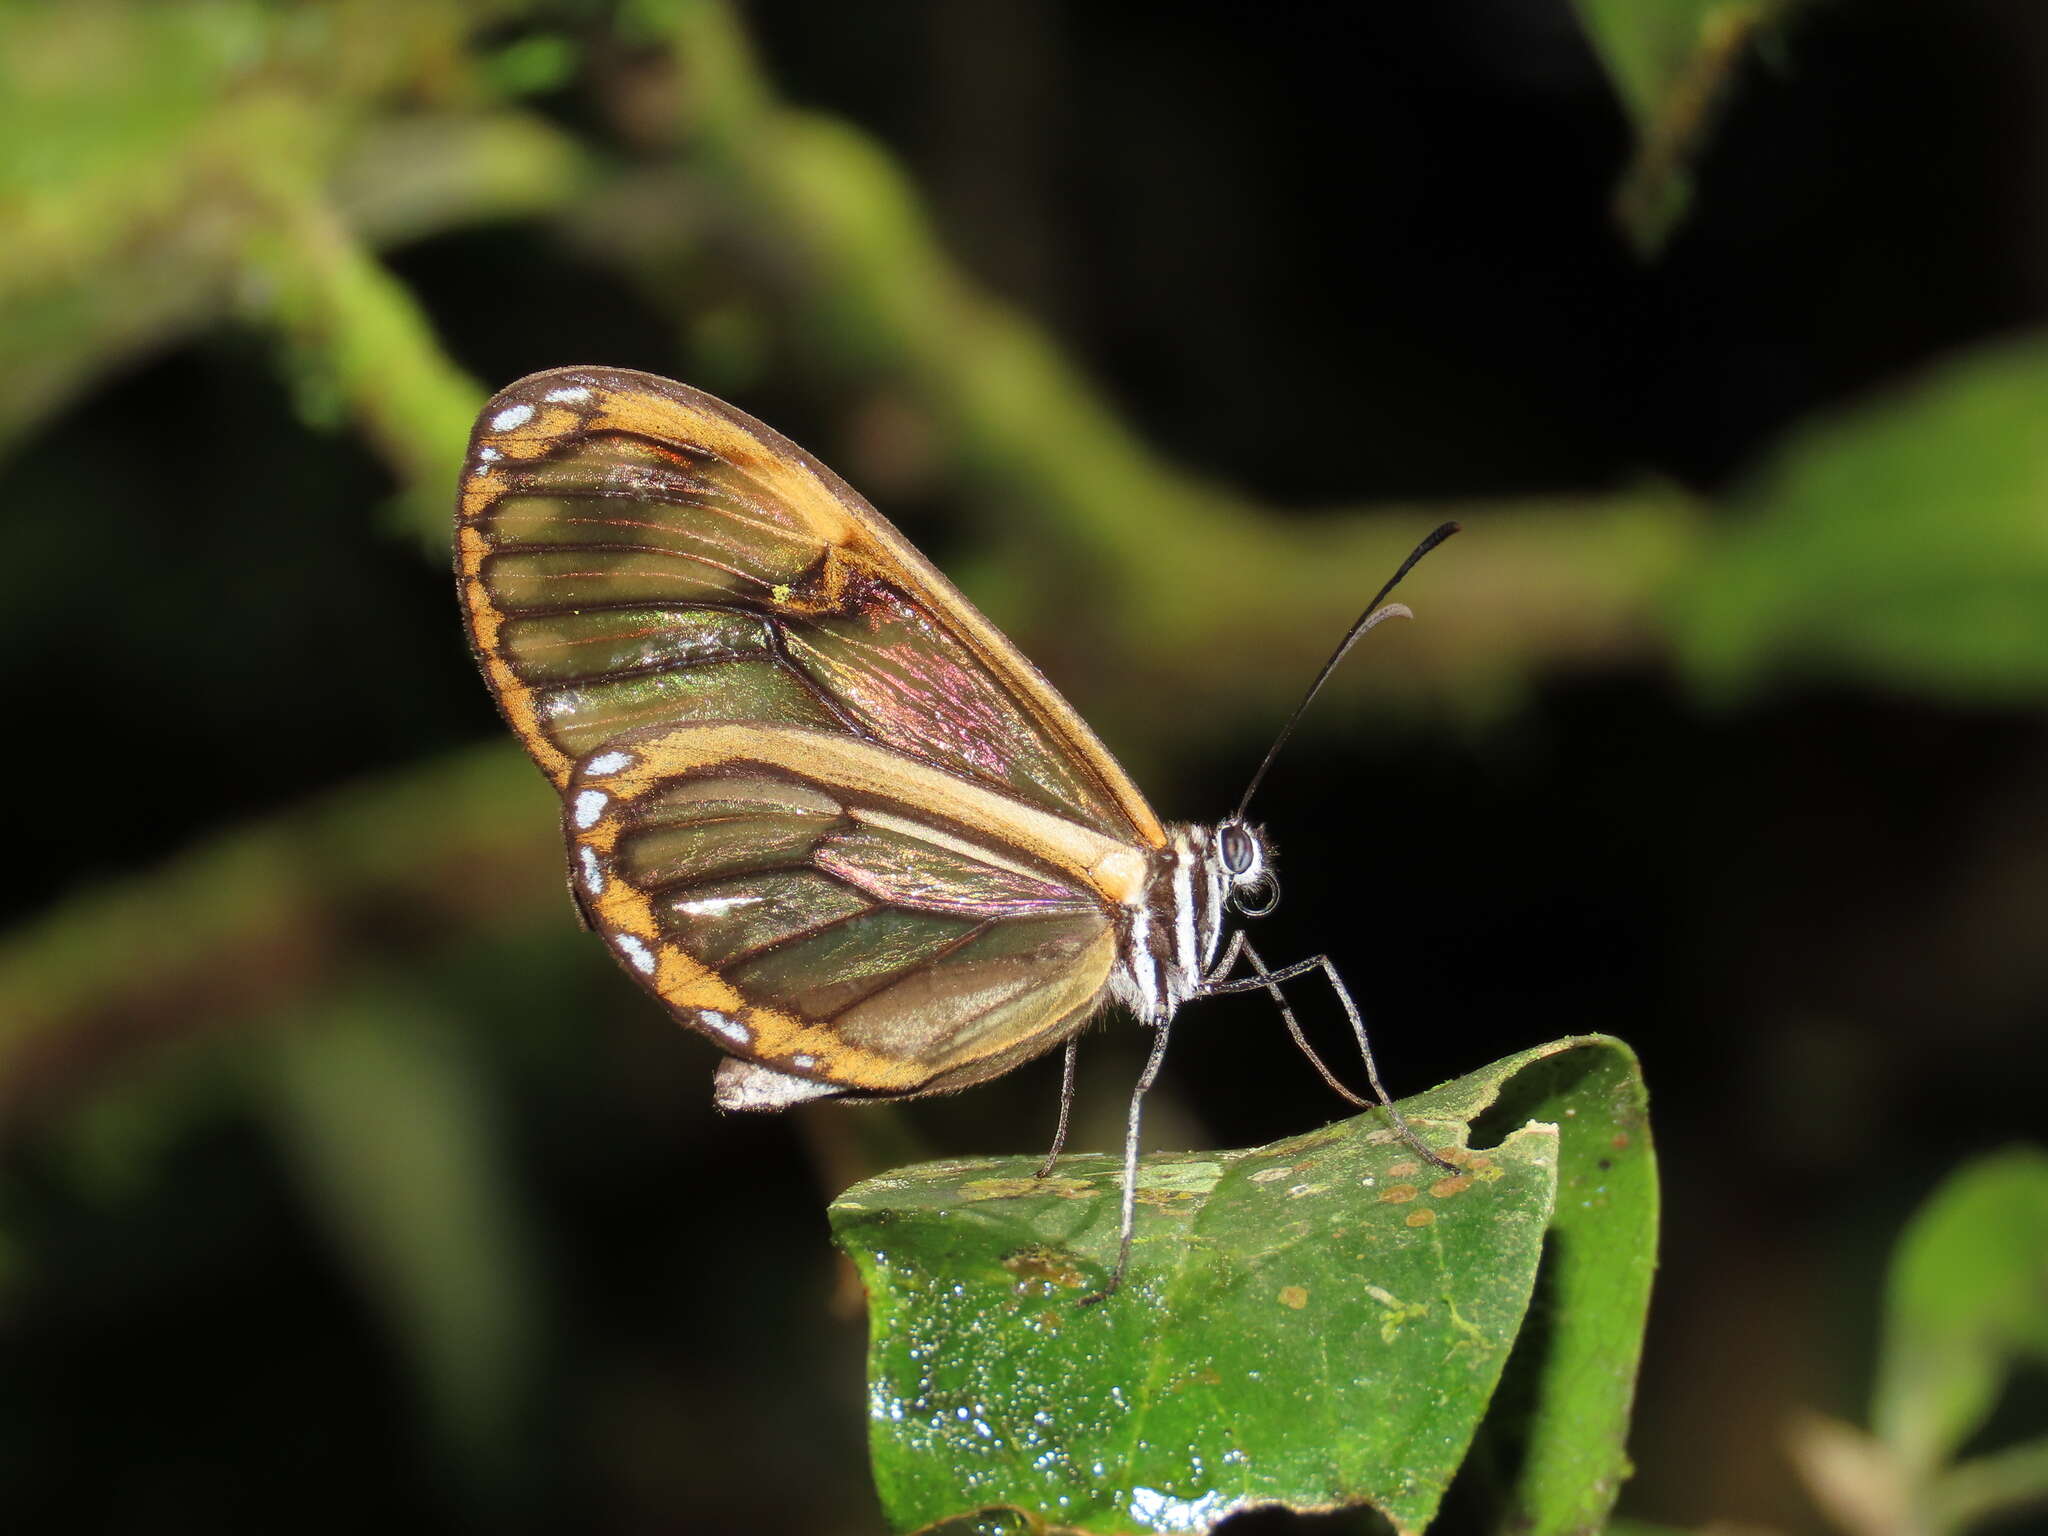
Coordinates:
column 816, row 803
column 633, row 552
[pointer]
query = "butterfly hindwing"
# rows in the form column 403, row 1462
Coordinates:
column 820, row 906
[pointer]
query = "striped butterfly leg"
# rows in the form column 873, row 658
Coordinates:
column 1059, row 1135
column 1220, row 972
column 1129, row 1214
column 1218, row 983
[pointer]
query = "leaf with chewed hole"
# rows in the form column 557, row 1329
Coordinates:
column 1317, row 1323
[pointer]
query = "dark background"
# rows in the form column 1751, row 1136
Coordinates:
column 1322, row 253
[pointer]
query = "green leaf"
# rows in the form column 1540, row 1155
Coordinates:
column 1902, row 541
column 1317, row 1323
column 1669, row 61
column 1568, row 1442
column 1964, row 1303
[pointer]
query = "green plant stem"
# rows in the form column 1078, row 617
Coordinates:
column 356, row 334
column 129, row 228
column 1180, row 579
column 254, row 921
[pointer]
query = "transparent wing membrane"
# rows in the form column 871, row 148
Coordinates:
column 634, row 553
column 827, row 927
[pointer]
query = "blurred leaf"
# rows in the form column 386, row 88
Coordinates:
column 1966, row 1303
column 1670, row 61
column 395, row 1145
column 532, row 65
column 1967, row 1300
column 1316, row 1323
column 1903, row 541
column 95, row 96
column 1852, row 1476
column 1994, row 1486
column 152, row 149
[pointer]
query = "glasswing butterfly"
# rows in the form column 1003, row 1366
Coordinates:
column 815, row 803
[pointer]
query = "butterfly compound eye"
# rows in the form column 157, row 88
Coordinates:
column 1237, row 846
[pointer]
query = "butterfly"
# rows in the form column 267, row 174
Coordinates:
column 814, row 802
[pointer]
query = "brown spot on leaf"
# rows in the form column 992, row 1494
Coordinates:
column 1403, row 1168
column 1041, row 1270
column 1014, row 1189
column 1395, row 1194
column 1457, row 1184
column 1421, row 1218
column 1295, row 1296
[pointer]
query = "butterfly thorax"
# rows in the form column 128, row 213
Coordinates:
column 1172, row 931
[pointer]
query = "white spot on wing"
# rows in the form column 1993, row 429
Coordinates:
column 726, row 1025
column 715, row 906
column 637, row 952
column 510, row 417
column 590, row 804
column 608, row 762
column 803, row 1063
column 567, row 395
column 488, row 453
column 593, row 872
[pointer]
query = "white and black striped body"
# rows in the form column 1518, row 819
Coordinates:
column 1171, row 933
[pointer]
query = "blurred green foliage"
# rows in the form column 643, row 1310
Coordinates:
column 331, row 967
column 1670, row 61
column 1964, row 1320
column 1905, row 539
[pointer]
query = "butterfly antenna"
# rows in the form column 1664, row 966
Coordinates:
column 1367, row 620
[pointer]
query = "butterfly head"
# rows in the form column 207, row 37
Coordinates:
column 1246, row 859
